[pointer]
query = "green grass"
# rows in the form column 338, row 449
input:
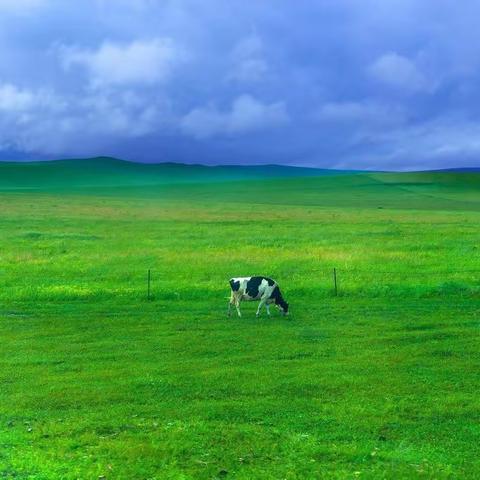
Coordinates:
column 379, row 382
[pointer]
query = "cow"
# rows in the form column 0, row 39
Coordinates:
column 256, row 288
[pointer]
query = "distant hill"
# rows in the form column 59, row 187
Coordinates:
column 110, row 172
column 267, row 184
column 460, row 170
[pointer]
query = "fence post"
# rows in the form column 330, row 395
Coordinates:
column 335, row 280
column 148, row 284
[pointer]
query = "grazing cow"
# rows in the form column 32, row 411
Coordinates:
column 256, row 288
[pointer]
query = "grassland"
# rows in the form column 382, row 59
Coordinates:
column 378, row 382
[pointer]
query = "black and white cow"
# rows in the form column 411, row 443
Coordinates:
column 256, row 288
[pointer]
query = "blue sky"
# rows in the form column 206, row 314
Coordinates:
column 384, row 84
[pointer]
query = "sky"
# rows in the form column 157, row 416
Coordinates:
column 351, row 84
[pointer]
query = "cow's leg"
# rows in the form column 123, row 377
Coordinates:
column 234, row 300
column 237, row 306
column 260, row 305
column 230, row 303
column 267, row 306
column 263, row 301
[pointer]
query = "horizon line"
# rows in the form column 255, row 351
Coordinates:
column 334, row 169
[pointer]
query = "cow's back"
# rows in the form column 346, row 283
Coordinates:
column 252, row 288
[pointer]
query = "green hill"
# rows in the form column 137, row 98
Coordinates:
column 267, row 184
column 106, row 171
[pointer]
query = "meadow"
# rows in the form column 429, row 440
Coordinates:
column 381, row 381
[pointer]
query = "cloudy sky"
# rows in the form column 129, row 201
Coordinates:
column 379, row 84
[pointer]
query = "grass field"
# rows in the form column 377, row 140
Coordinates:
column 379, row 382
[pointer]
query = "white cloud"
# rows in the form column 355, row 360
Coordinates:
column 44, row 122
column 248, row 62
column 20, row 6
column 135, row 5
column 14, row 99
column 399, row 72
column 364, row 113
column 138, row 62
column 449, row 139
column 24, row 111
column 129, row 114
column 249, row 70
column 246, row 114
column 450, row 135
column 247, row 47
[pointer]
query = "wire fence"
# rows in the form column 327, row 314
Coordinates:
column 355, row 277
column 348, row 280
column 298, row 281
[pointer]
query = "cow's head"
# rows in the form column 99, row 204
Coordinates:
column 283, row 306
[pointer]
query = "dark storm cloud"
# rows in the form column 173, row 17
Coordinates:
column 352, row 84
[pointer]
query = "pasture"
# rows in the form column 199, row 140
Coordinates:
column 380, row 381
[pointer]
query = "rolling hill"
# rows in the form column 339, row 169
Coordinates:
column 109, row 172
column 268, row 184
